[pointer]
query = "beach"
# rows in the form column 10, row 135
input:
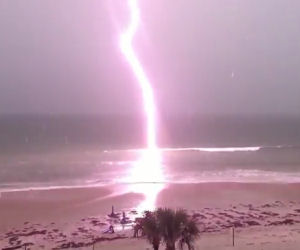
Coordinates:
column 56, row 192
column 169, row 121
column 265, row 215
column 277, row 238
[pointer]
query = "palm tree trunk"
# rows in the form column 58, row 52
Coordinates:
column 170, row 246
column 155, row 245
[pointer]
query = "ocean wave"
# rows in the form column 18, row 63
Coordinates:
column 240, row 176
column 225, row 149
column 261, row 163
column 118, row 163
column 211, row 149
column 11, row 188
column 234, row 176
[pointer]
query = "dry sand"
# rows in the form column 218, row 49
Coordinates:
column 266, row 216
column 256, row 238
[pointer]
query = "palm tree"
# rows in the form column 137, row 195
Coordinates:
column 172, row 224
column 151, row 228
column 189, row 234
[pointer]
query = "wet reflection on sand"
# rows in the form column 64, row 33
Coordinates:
column 147, row 178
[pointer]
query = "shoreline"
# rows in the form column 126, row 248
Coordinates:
column 104, row 185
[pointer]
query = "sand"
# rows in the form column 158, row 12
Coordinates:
column 266, row 216
column 276, row 238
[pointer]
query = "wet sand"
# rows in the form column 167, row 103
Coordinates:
column 265, row 215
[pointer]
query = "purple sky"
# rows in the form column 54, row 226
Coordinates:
column 203, row 56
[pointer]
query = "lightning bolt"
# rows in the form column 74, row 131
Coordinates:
column 137, row 68
column 146, row 170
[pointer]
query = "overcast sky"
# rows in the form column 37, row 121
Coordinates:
column 202, row 56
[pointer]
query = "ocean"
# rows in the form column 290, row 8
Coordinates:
column 50, row 151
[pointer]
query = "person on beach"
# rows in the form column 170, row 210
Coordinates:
column 124, row 219
column 110, row 230
column 112, row 214
column 136, row 229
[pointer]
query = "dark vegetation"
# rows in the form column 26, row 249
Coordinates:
column 169, row 227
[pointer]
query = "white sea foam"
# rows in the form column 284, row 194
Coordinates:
column 225, row 149
column 267, row 164
column 203, row 149
column 239, row 176
column 117, row 163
